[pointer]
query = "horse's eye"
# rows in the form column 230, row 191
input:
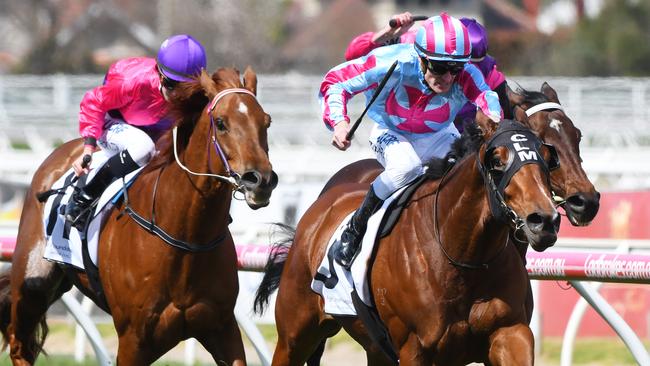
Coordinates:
column 221, row 126
column 496, row 163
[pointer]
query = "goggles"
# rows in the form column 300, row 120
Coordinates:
column 443, row 67
column 168, row 83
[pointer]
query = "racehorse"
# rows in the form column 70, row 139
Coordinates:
column 445, row 284
column 570, row 183
column 158, row 294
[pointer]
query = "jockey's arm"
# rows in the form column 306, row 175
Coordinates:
column 476, row 90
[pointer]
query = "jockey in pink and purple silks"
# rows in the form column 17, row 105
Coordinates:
column 402, row 33
column 413, row 114
column 127, row 113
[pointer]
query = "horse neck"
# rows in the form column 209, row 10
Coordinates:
column 467, row 229
column 203, row 200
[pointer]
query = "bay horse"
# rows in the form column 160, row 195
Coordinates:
column 445, row 284
column 158, row 295
column 570, row 183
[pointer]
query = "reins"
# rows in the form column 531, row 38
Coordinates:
column 515, row 219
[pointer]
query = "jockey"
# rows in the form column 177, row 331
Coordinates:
column 414, row 113
column 126, row 114
column 366, row 42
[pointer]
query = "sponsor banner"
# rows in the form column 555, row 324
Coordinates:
column 585, row 266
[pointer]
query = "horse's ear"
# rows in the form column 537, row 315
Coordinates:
column 549, row 92
column 209, row 86
column 487, row 125
column 514, row 97
column 250, row 80
column 520, row 114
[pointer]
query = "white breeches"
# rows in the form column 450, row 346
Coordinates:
column 403, row 155
column 119, row 136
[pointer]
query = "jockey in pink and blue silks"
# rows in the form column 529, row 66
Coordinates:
column 413, row 114
column 127, row 113
column 402, row 33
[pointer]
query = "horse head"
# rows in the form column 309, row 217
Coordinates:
column 542, row 112
column 515, row 166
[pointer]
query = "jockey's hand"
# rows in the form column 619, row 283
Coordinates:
column 79, row 165
column 340, row 139
column 404, row 23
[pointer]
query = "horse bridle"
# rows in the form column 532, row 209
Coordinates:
column 232, row 178
column 508, row 130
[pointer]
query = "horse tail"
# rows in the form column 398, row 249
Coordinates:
column 273, row 268
column 5, row 307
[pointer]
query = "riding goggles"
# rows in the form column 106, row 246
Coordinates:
column 168, row 83
column 443, row 67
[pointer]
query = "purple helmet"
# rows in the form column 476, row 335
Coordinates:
column 181, row 57
column 478, row 37
column 443, row 38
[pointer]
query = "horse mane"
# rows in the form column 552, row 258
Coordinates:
column 531, row 97
column 186, row 105
column 469, row 142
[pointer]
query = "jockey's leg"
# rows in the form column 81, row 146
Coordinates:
column 131, row 148
column 402, row 157
column 115, row 167
column 351, row 237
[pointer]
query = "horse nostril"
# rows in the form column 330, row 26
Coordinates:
column 535, row 222
column 251, row 179
column 274, row 180
column 556, row 221
column 577, row 201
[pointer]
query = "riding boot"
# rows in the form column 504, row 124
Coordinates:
column 348, row 246
column 82, row 198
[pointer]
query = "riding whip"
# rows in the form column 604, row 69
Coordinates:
column 374, row 96
column 394, row 24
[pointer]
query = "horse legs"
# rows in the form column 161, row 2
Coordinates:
column 302, row 328
column 225, row 345
column 512, row 346
column 35, row 285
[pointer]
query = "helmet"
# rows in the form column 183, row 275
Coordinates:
column 443, row 38
column 477, row 36
column 181, row 57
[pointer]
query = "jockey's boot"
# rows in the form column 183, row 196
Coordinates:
column 115, row 167
column 348, row 246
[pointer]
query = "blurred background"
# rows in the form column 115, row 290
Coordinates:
column 595, row 53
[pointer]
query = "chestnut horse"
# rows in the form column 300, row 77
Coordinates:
column 570, row 183
column 445, row 284
column 157, row 294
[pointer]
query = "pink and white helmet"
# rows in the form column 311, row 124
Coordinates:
column 443, row 38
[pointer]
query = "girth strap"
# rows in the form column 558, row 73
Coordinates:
column 180, row 244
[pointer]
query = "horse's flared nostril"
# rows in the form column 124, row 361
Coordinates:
column 535, row 222
column 577, row 202
column 538, row 222
column 251, row 179
column 274, row 180
column 583, row 207
column 556, row 221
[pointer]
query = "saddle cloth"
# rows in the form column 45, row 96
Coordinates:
column 334, row 283
column 63, row 243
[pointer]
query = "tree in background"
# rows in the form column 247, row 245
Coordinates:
column 617, row 42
